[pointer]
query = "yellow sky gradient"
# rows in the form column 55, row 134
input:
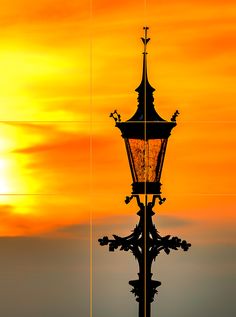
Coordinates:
column 66, row 66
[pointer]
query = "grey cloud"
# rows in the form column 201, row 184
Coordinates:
column 165, row 221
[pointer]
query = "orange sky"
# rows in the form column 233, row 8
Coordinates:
column 66, row 67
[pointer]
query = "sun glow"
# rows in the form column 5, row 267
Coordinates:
column 4, row 179
column 15, row 179
column 13, row 182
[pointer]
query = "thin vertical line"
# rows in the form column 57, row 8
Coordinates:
column 145, row 164
column 145, row 161
column 145, row 180
column 90, row 165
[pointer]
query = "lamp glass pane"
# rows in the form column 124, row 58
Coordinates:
column 146, row 158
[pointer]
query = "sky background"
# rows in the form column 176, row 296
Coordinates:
column 63, row 168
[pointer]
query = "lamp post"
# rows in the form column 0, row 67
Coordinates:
column 145, row 135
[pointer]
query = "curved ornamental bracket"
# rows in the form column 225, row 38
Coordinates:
column 155, row 243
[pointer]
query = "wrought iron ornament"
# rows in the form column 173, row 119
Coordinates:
column 135, row 243
column 145, row 135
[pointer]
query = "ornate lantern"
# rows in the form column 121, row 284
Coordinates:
column 145, row 135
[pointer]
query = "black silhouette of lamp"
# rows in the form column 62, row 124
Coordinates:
column 145, row 135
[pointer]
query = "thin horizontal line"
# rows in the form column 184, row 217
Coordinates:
column 103, row 121
column 40, row 194
column 204, row 194
column 45, row 121
column 76, row 194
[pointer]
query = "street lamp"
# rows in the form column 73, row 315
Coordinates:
column 145, row 135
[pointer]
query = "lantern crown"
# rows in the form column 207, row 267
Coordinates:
column 146, row 123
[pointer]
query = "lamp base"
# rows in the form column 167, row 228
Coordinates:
column 146, row 188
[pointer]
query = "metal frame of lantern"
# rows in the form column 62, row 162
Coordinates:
column 146, row 135
column 146, row 144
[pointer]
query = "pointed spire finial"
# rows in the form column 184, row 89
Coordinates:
column 145, row 39
column 145, row 86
